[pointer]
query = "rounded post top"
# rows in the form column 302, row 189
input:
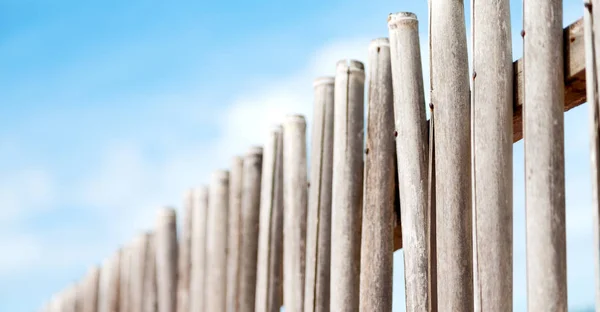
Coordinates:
column 379, row 42
column 295, row 119
column 401, row 18
column 220, row 175
column 350, row 65
column 254, row 151
column 166, row 214
column 329, row 80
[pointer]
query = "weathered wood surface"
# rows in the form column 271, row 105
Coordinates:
column 166, row 260
column 249, row 218
column 90, row 291
column 150, row 301
column 318, row 234
column 110, row 283
column 138, row 270
column 377, row 258
column 269, row 279
column 234, row 234
column 295, row 200
column 199, row 235
column 347, row 185
column 411, row 147
column 543, row 119
column 184, row 264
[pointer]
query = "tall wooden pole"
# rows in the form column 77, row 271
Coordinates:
column 216, row 267
column 318, row 235
column 150, row 300
column 110, row 284
column 124, row 279
column 234, row 235
column 251, row 185
column 166, row 260
column 411, row 148
column 543, row 120
column 377, row 247
column 492, row 98
column 184, row 265
column 138, row 270
column 91, row 287
column 347, row 184
column 200, row 214
column 269, row 277
column 592, row 47
column 450, row 98
column 295, row 201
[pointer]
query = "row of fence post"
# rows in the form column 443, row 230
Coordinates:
column 267, row 234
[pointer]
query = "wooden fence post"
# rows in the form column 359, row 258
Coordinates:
column 295, row 201
column 91, row 286
column 543, row 120
column 592, row 13
column 318, row 235
column 450, row 98
column 252, row 169
column 217, row 242
column 347, row 185
column 377, row 246
column 411, row 148
column 166, row 260
column 150, row 300
column 124, row 279
column 199, row 247
column 492, row 97
column 110, row 283
column 269, row 278
column 234, row 235
column 184, row 257
column 138, row 271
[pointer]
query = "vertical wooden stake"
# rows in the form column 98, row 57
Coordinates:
column 91, row 288
column 411, row 148
column 200, row 214
column 138, row 270
column 150, row 301
column 270, row 236
column 216, row 267
column 234, row 235
column 183, row 276
column 166, row 260
column 591, row 79
column 295, row 201
column 251, row 185
column 377, row 247
column 450, row 98
column 492, row 97
column 110, row 284
column 124, row 279
column 318, row 235
column 543, row 121
column 347, row 185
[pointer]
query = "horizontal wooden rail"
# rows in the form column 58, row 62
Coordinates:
column 574, row 70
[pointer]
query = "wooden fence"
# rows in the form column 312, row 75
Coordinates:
column 267, row 233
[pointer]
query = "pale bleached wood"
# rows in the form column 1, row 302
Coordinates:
column 376, row 259
column 591, row 46
column 137, row 272
column 150, row 301
column 183, row 273
column 295, row 199
column 234, row 234
column 269, row 278
column 318, row 235
column 249, row 223
column 544, row 156
column 411, row 148
column 124, row 279
column 450, row 98
column 200, row 214
column 109, row 284
column 216, row 267
column 347, row 185
column 166, row 259
column 492, row 97
column 91, row 289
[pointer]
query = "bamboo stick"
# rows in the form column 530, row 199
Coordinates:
column 318, row 236
column 450, row 98
column 199, row 248
column 378, row 214
column 184, row 264
column 234, row 235
column 492, row 97
column 216, row 256
column 347, row 185
column 411, row 148
column 252, row 169
column 295, row 201
column 544, row 156
column 166, row 260
column 269, row 278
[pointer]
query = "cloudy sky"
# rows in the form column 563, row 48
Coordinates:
column 111, row 109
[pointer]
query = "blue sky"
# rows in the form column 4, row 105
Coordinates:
column 111, row 109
